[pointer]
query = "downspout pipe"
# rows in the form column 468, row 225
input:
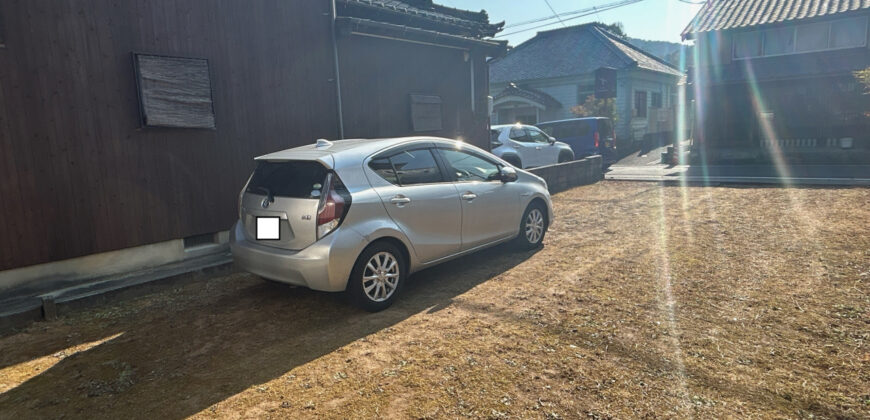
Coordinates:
column 337, row 71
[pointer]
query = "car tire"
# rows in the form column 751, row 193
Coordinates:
column 368, row 286
column 565, row 157
column 529, row 237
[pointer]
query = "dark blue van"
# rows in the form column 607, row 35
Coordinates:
column 587, row 136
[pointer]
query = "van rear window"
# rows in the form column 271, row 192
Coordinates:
column 605, row 128
column 567, row 129
column 292, row 179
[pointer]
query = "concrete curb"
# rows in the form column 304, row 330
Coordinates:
column 18, row 312
column 742, row 180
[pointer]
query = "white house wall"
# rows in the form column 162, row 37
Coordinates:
column 565, row 90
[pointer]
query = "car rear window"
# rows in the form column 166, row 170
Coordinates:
column 293, row 179
column 605, row 128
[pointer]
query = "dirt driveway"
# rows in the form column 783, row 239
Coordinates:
column 647, row 301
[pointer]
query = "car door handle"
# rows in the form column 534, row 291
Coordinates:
column 400, row 200
column 538, row 147
column 469, row 196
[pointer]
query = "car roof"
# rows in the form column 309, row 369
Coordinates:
column 501, row 126
column 574, row 119
column 365, row 146
column 340, row 153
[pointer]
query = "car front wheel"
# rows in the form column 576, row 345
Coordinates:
column 377, row 277
column 533, row 226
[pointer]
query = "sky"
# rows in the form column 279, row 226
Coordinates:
column 661, row 20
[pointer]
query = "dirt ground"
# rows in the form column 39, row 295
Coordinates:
column 646, row 301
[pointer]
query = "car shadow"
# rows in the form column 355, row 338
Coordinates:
column 190, row 354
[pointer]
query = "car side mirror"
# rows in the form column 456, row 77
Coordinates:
column 507, row 174
column 552, row 140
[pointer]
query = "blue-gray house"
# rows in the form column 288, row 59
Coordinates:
column 544, row 77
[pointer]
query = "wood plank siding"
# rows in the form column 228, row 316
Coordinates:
column 376, row 97
column 78, row 174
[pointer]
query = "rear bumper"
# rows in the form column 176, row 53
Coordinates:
column 324, row 265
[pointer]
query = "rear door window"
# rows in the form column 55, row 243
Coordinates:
column 408, row 167
column 519, row 134
column 293, row 179
column 384, row 169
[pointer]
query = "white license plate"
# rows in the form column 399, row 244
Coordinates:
column 268, row 228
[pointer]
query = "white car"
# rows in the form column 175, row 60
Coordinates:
column 526, row 146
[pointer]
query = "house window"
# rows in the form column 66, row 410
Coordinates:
column 640, row 104
column 779, row 41
column 812, row 37
column 174, row 91
column 426, row 112
column 583, row 92
column 849, row 33
column 747, row 44
column 833, row 35
column 656, row 100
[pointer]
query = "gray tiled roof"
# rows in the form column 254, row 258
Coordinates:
column 720, row 15
column 406, row 12
column 571, row 51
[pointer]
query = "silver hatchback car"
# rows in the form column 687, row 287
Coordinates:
column 361, row 215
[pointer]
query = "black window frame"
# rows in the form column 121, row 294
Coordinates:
column 643, row 106
column 653, row 102
column 389, row 154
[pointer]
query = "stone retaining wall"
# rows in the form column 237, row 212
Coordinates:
column 562, row 176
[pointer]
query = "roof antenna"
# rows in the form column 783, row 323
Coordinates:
column 323, row 144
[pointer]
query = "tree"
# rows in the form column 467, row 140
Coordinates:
column 616, row 28
column 863, row 77
column 596, row 108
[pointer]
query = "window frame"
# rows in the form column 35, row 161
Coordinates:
column 794, row 29
column 529, row 130
column 447, row 166
column 524, row 139
column 645, row 104
column 389, row 153
column 141, row 97
column 652, row 100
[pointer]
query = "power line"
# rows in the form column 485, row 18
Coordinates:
column 545, row 18
column 579, row 13
column 556, row 15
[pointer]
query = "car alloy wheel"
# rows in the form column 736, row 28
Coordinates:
column 534, row 226
column 380, row 277
column 377, row 276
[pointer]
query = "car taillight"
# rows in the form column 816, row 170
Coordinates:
column 331, row 209
column 596, row 139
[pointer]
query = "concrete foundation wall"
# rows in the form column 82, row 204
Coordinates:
column 70, row 272
column 562, row 176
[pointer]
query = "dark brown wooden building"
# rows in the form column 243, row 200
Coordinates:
column 125, row 123
column 773, row 81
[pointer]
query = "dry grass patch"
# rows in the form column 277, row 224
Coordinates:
column 647, row 301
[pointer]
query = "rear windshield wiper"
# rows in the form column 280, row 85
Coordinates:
column 265, row 190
